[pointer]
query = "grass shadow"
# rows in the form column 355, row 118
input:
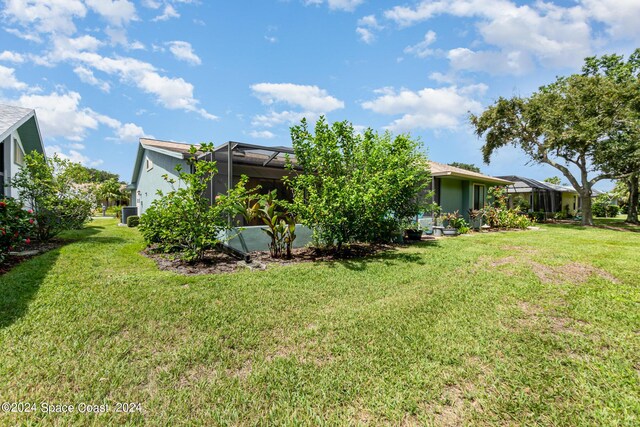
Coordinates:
column 389, row 258
column 19, row 285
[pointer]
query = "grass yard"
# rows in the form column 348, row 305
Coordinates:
column 536, row 328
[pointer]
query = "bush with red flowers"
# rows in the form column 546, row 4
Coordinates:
column 16, row 227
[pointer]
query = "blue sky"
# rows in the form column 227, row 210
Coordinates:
column 102, row 73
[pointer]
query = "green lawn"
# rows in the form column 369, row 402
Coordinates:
column 536, row 328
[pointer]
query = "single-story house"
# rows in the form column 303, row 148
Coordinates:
column 454, row 188
column 19, row 135
column 461, row 190
column 543, row 196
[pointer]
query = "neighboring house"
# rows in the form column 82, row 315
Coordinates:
column 461, row 190
column 19, row 135
column 544, row 196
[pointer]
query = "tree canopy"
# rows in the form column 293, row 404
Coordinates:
column 567, row 124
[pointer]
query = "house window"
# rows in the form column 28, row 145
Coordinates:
column 478, row 196
column 18, row 156
column 149, row 164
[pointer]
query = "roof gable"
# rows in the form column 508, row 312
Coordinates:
column 24, row 121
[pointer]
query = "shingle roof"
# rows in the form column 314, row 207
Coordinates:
column 176, row 147
column 10, row 115
column 440, row 169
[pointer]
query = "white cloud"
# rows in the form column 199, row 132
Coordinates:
column 422, row 49
column 60, row 115
column 117, row 12
column 366, row 26
column 45, row 15
column 555, row 36
column 151, row 4
column 72, row 155
column 620, row 16
column 183, row 51
column 8, row 80
column 168, row 13
column 262, row 134
column 428, row 108
column 310, row 98
column 515, row 62
column 9, row 56
column 87, row 76
column 346, row 5
column 366, row 35
column 275, row 118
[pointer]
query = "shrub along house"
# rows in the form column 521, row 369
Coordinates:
column 264, row 166
column 455, row 188
column 19, row 135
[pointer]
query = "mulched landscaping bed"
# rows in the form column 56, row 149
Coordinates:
column 216, row 262
column 29, row 251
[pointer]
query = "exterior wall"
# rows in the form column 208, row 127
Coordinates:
column 253, row 238
column 6, row 167
column 451, row 194
column 150, row 181
column 11, row 168
column 571, row 200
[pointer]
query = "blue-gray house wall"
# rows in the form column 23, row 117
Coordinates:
column 149, row 181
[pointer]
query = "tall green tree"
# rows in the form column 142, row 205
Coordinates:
column 555, row 180
column 564, row 124
column 351, row 187
column 621, row 156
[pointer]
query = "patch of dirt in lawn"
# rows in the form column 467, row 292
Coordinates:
column 216, row 262
column 574, row 272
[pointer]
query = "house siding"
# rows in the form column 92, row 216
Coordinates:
column 10, row 167
column 150, row 181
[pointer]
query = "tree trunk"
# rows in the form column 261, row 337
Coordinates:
column 585, row 195
column 633, row 182
column 587, row 214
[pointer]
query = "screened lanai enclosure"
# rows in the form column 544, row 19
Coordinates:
column 542, row 196
column 264, row 166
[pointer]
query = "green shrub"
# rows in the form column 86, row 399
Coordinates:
column 185, row 221
column 352, row 187
column 133, row 221
column 498, row 216
column 16, row 227
column 280, row 223
column 50, row 187
column 613, row 211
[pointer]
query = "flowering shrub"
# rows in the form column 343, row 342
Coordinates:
column 49, row 186
column 499, row 216
column 16, row 227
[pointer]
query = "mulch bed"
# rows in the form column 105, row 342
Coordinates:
column 29, row 251
column 216, row 262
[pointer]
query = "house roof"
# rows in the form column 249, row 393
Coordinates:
column 23, row 120
column 440, row 169
column 163, row 146
column 522, row 184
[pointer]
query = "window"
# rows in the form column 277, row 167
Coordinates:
column 478, row 196
column 18, row 156
column 149, row 164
